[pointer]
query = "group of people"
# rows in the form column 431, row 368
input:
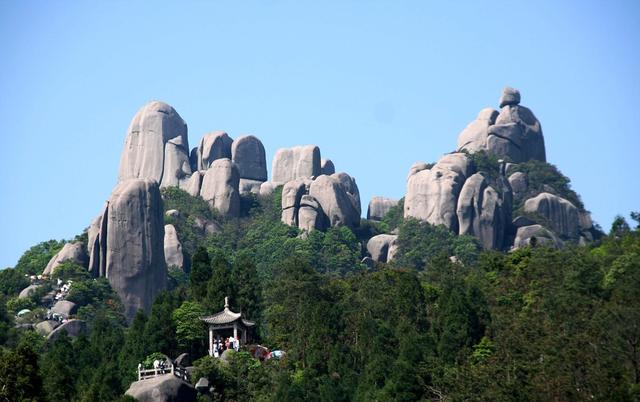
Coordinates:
column 220, row 345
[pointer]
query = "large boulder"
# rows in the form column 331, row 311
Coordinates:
column 519, row 183
column 172, row 248
column 327, row 167
column 525, row 235
column 72, row 252
column 379, row 206
column 65, row 308
column 510, row 96
column 337, row 197
column 248, row 186
column 432, row 194
column 213, row 145
column 480, row 212
column 297, row 162
column 44, row 328
column 156, row 146
column 247, row 152
column 220, row 187
column 378, row 246
column 562, row 216
column 474, row 137
column 163, row 388
column 350, row 186
column 28, row 291
column 193, row 183
column 73, row 328
column 133, row 243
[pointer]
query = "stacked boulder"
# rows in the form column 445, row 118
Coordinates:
column 455, row 194
column 313, row 197
column 512, row 134
column 379, row 207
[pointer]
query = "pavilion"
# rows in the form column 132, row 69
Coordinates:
column 225, row 321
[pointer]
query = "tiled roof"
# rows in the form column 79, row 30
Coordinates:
column 224, row 317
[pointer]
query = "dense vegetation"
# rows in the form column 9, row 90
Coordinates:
column 534, row 324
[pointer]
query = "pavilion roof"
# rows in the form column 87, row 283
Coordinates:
column 226, row 316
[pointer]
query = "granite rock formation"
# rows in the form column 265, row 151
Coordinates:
column 163, row 388
column 72, row 252
column 381, row 247
column 297, row 162
column 379, row 206
column 172, row 248
column 220, row 187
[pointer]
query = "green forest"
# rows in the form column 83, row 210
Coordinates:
column 444, row 321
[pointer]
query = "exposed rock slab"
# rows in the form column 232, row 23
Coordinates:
column 542, row 235
column 73, row 252
column 163, row 388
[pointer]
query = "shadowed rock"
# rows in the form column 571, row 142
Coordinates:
column 336, row 202
column 378, row 247
column 525, row 234
column 73, row 328
column 247, row 152
column 327, row 167
column 213, row 145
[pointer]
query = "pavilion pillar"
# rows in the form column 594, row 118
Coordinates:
column 244, row 337
column 210, row 341
column 235, row 330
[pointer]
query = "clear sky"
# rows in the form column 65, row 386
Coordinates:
column 377, row 85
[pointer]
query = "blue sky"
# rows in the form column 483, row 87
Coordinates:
column 377, row 85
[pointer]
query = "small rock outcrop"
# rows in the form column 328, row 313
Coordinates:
column 379, row 206
column 292, row 193
column 519, row 183
column 172, row 248
column 65, row 308
column 156, row 146
column 73, row 252
column 44, row 328
column 163, row 388
column 382, row 247
column 28, row 291
column 327, row 167
column 297, row 162
column 213, row 145
column 474, row 137
column 525, row 235
column 220, row 187
column 310, row 214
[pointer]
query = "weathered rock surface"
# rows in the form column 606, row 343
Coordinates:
column 97, row 243
column 164, row 388
column 297, row 162
column 248, row 186
column 213, row 145
column 432, row 194
column 378, row 246
column 73, row 328
column 172, row 248
column 156, row 146
column 310, row 215
column 542, row 235
column 247, row 152
column 327, row 167
column 28, row 291
column 267, row 188
column 72, row 252
column 220, row 187
column 350, row 186
column 44, row 328
column 379, row 206
column 561, row 215
column 133, row 243
column 417, row 167
column 528, row 139
column 519, row 183
column 480, row 212
column 337, row 199
column 292, row 193
column 206, row 226
column 510, row 96
column 193, row 183
column 474, row 137
column 65, row 308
